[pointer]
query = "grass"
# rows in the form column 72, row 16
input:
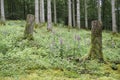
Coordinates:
column 54, row 55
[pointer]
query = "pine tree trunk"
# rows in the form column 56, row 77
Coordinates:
column 28, row 33
column 36, row 12
column 96, row 41
column 73, row 11
column 78, row 14
column 55, row 14
column 99, row 11
column 86, row 15
column 2, row 22
column 42, row 13
column 69, row 14
column 114, row 26
column 49, row 16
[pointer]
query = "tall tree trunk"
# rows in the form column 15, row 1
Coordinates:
column 73, row 10
column 36, row 12
column 24, row 2
column 42, row 13
column 118, row 13
column 86, row 15
column 69, row 14
column 99, row 10
column 114, row 26
column 2, row 12
column 78, row 14
column 55, row 14
column 49, row 16
column 0, row 9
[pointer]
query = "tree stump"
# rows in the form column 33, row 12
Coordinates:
column 96, row 41
column 28, row 33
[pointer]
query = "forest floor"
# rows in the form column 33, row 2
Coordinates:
column 55, row 55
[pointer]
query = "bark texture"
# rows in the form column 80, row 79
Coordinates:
column 49, row 16
column 73, row 12
column 42, row 11
column 69, row 13
column 2, row 21
column 78, row 14
column 55, row 13
column 114, row 25
column 37, row 12
column 96, row 41
column 99, row 10
column 86, row 14
column 28, row 33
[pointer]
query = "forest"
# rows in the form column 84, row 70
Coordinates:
column 59, row 39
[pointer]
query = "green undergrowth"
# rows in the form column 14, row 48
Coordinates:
column 54, row 55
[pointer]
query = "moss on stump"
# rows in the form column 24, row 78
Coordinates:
column 29, row 29
column 96, row 41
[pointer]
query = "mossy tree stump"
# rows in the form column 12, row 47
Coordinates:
column 96, row 41
column 29, row 29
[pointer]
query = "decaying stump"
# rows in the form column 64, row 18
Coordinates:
column 28, row 33
column 96, row 41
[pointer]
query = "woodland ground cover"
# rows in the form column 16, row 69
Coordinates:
column 54, row 55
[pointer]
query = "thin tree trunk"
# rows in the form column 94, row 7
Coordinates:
column 55, row 14
column 36, row 12
column 24, row 8
column 42, row 13
column 2, row 12
column 0, row 9
column 73, row 10
column 78, row 14
column 114, row 26
column 69, row 14
column 99, row 10
column 86, row 15
column 49, row 16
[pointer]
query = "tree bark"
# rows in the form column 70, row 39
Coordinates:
column 42, row 13
column 86, row 15
column 69, row 14
column 36, row 12
column 28, row 33
column 73, row 11
column 99, row 10
column 49, row 16
column 96, row 41
column 78, row 14
column 55, row 14
column 2, row 13
column 114, row 25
